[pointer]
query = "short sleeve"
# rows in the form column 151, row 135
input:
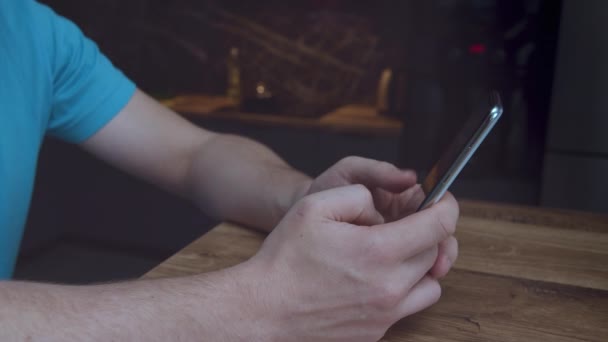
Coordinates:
column 88, row 91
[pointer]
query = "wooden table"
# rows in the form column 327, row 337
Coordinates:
column 523, row 274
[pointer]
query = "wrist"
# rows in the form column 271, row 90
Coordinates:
column 237, row 304
column 300, row 189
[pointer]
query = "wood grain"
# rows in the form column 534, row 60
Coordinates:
column 558, row 218
column 481, row 307
column 224, row 246
column 523, row 274
column 534, row 252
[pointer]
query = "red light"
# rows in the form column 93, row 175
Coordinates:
column 477, row 49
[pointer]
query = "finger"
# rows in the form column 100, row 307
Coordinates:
column 352, row 204
column 374, row 173
column 417, row 267
column 448, row 252
column 424, row 294
column 419, row 231
column 383, row 200
column 415, row 195
column 398, row 206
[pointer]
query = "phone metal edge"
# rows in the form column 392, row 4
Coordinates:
column 464, row 156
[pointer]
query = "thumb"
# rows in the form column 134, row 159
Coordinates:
column 351, row 204
column 376, row 174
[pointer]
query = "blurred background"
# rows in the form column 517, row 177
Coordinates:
column 320, row 80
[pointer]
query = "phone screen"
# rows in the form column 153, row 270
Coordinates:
column 461, row 149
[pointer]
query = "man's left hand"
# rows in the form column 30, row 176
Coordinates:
column 396, row 195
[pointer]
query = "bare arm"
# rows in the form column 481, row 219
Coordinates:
column 241, row 180
column 177, row 309
column 300, row 286
column 229, row 177
column 322, row 275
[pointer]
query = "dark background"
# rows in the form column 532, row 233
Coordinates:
column 89, row 222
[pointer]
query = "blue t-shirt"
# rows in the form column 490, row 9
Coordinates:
column 53, row 80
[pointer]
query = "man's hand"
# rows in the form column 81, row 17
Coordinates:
column 331, row 273
column 395, row 195
column 326, row 273
column 393, row 189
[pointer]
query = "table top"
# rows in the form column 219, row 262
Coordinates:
column 352, row 118
column 523, row 274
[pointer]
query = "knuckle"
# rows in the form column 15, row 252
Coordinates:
column 307, row 206
column 454, row 250
column 349, row 160
column 386, row 166
column 451, row 208
column 435, row 292
column 428, row 258
column 447, row 227
column 382, row 255
column 364, row 192
column 388, row 295
column 447, row 216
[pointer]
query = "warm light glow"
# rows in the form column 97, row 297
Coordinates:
column 260, row 89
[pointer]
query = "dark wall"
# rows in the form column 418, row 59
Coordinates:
column 577, row 160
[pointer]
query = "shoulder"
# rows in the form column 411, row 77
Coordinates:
column 27, row 15
column 26, row 32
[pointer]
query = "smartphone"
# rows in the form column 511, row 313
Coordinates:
column 458, row 153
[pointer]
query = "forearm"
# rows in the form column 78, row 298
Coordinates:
column 178, row 309
column 238, row 179
column 232, row 178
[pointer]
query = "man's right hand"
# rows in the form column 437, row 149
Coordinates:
column 330, row 272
